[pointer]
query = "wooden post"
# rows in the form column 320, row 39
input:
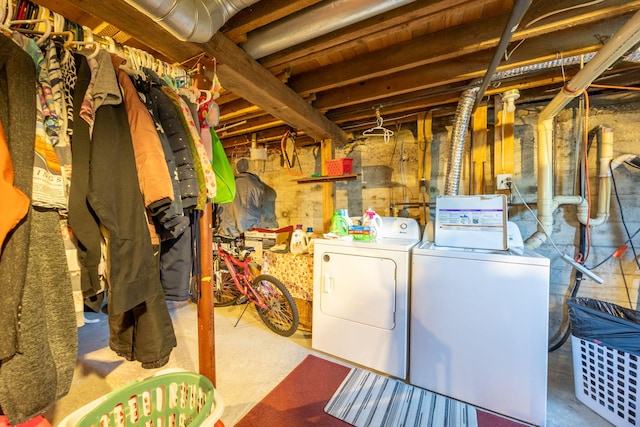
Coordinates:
column 503, row 143
column 425, row 138
column 479, row 150
column 206, row 329
column 326, row 153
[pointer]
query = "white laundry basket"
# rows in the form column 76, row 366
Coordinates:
column 606, row 380
column 169, row 398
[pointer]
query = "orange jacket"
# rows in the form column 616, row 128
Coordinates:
column 15, row 203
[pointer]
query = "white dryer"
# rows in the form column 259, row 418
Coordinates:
column 361, row 297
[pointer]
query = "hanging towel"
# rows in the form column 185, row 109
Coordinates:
column 225, row 179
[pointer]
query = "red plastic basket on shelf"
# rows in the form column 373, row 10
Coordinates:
column 337, row 167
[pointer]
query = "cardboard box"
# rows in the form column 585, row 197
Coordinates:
column 305, row 314
column 263, row 239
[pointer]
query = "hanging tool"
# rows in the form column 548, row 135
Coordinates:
column 289, row 153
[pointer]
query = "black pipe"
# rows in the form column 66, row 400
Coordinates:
column 582, row 246
column 519, row 9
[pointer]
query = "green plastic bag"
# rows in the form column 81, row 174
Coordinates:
column 225, row 179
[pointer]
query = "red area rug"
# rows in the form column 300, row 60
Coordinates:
column 300, row 398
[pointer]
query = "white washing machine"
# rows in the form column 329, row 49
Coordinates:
column 361, row 297
column 479, row 327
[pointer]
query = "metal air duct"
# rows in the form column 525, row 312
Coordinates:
column 191, row 20
column 456, row 152
column 312, row 22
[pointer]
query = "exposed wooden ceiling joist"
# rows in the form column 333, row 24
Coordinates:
column 236, row 70
column 409, row 59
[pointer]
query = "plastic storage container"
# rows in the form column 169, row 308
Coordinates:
column 338, row 167
column 606, row 351
column 171, row 397
column 299, row 241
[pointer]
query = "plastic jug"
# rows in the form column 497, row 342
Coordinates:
column 299, row 241
column 373, row 221
column 340, row 223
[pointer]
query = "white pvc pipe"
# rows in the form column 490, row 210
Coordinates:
column 625, row 39
column 604, row 188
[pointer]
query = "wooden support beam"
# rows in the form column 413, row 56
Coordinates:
column 237, row 71
column 244, row 76
column 503, row 143
column 328, row 193
column 479, row 152
column 206, row 324
column 425, row 138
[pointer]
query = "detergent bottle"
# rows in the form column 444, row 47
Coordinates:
column 299, row 241
column 372, row 220
column 340, row 223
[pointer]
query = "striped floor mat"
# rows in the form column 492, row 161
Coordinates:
column 365, row 399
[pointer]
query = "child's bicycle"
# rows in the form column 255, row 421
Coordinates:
column 237, row 280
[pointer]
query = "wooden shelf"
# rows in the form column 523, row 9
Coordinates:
column 348, row 177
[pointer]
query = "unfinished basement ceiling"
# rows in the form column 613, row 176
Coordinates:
column 403, row 58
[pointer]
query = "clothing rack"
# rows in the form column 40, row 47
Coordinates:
column 29, row 18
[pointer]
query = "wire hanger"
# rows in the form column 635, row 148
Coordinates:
column 379, row 130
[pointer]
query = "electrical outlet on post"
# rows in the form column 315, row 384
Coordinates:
column 503, row 181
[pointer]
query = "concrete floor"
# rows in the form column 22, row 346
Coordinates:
column 250, row 361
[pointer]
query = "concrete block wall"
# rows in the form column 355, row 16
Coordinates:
column 388, row 175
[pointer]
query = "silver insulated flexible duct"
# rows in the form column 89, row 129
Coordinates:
column 465, row 110
column 460, row 124
column 191, row 20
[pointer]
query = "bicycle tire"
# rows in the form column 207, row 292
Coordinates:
column 225, row 291
column 282, row 315
column 194, row 290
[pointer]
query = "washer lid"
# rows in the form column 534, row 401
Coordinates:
column 513, row 255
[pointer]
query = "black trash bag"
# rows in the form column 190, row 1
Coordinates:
column 607, row 323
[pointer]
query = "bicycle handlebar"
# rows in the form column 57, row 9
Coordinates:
column 226, row 239
column 237, row 247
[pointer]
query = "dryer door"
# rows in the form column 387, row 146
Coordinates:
column 358, row 288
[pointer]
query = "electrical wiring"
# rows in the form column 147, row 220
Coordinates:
column 615, row 191
column 622, row 219
column 566, row 331
column 526, row 205
column 585, row 134
column 626, row 285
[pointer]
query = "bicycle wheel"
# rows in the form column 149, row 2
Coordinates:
column 225, row 291
column 281, row 316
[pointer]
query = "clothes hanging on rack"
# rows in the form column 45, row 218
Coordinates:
column 116, row 201
column 162, row 109
column 134, row 284
column 153, row 173
column 181, row 118
column 17, row 203
column 39, row 344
